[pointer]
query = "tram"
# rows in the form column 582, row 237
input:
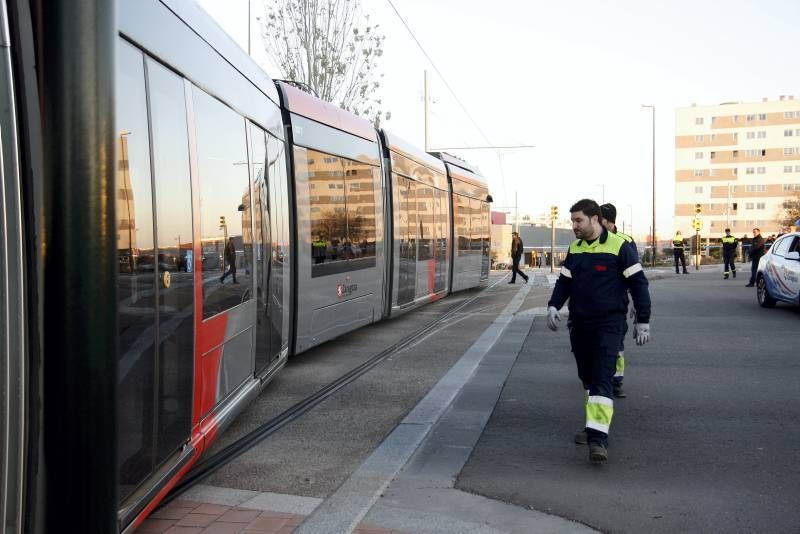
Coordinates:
column 246, row 222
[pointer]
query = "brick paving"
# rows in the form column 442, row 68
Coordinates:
column 192, row 517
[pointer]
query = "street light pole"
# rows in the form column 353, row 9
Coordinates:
column 603, row 194
column 653, row 108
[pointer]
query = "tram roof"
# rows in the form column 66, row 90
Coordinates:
column 316, row 109
column 397, row 144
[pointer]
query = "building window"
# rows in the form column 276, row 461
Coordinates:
column 700, row 172
column 749, row 206
column 712, row 155
column 787, row 168
column 762, row 134
column 698, row 155
column 735, row 171
column 788, row 151
column 788, row 133
column 698, row 120
column 797, row 133
column 736, row 118
column 698, row 138
column 797, row 168
column 713, row 137
column 762, row 116
column 698, row 189
column 712, row 172
column 735, row 136
column 762, row 170
column 751, row 117
column 788, row 114
column 761, row 188
column 761, row 205
column 733, row 189
column 751, row 135
column 749, row 170
column 751, row 189
column 713, row 120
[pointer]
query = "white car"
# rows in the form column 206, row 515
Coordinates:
column 778, row 277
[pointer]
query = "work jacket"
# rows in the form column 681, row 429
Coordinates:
column 729, row 244
column 596, row 276
column 678, row 242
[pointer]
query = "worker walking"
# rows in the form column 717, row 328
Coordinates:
column 600, row 268
column 678, row 246
column 729, row 246
column 516, row 256
column 609, row 222
column 757, row 249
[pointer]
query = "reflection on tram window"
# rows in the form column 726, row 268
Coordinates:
column 461, row 220
column 425, row 221
column 136, row 279
column 475, row 224
column 342, row 206
column 174, row 260
column 225, row 213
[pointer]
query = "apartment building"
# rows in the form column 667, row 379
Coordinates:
column 740, row 162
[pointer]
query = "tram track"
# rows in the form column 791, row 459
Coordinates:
column 229, row 453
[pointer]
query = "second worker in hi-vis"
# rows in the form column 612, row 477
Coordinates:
column 599, row 269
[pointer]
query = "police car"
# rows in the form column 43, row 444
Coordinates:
column 778, row 277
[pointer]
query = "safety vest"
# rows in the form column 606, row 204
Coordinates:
column 729, row 243
column 677, row 242
column 626, row 237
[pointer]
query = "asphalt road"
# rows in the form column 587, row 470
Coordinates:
column 708, row 439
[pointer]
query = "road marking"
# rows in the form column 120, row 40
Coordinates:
column 343, row 510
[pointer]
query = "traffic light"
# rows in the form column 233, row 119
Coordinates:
column 221, row 221
column 554, row 212
column 698, row 208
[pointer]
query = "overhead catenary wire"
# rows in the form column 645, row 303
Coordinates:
column 447, row 85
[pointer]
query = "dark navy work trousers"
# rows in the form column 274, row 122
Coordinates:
column 595, row 345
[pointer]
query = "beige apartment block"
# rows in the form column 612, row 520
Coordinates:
column 740, row 162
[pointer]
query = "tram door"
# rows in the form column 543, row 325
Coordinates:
column 155, row 280
column 406, row 230
column 271, row 233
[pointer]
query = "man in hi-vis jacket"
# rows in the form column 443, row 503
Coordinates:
column 596, row 274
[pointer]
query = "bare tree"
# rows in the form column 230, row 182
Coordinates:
column 791, row 211
column 328, row 46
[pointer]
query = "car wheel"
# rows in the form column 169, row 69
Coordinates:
column 764, row 299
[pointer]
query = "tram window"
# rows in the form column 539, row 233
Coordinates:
column 136, row 312
column 485, row 230
column 425, row 223
column 174, row 260
column 475, row 224
column 342, row 208
column 360, row 205
column 462, row 222
column 227, row 249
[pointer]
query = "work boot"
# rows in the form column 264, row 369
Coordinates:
column 734, row 274
column 726, row 277
column 598, row 453
column 581, row 438
column 619, row 392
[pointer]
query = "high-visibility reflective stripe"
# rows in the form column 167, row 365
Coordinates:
column 599, row 411
column 620, row 365
column 633, row 269
column 603, row 401
column 597, row 426
column 566, row 272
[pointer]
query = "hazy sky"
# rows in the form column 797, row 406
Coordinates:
column 570, row 77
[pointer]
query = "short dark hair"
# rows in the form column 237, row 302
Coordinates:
column 609, row 212
column 727, row 229
column 588, row 207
